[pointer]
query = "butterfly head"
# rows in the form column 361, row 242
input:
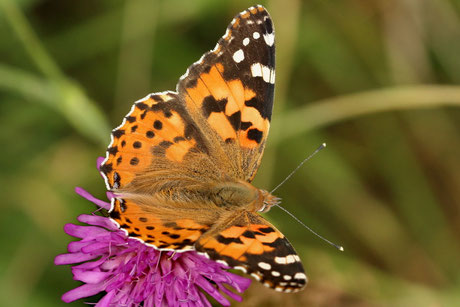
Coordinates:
column 269, row 201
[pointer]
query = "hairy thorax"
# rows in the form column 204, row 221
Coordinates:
column 241, row 194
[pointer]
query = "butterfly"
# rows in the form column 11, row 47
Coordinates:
column 181, row 162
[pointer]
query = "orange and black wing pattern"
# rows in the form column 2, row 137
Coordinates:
column 251, row 244
column 230, row 89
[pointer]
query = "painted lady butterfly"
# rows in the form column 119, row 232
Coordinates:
column 181, row 162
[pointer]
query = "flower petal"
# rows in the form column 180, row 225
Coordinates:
column 83, row 193
column 105, row 301
column 82, row 291
column 90, row 277
column 73, row 258
column 83, row 231
column 97, row 220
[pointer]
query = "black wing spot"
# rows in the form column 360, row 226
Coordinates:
column 150, row 134
column 255, row 135
column 141, row 105
column 130, row 119
column 210, row 104
column 118, row 133
column 226, row 241
column 107, row 168
column 157, row 125
column 178, row 139
column 249, row 234
column 134, row 161
column 156, row 97
column 235, row 120
column 112, row 150
column 137, row 144
column 115, row 215
column 245, row 125
column 267, row 230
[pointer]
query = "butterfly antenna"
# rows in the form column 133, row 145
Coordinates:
column 297, row 168
column 340, row 248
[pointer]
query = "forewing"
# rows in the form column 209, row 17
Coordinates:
column 251, row 244
column 230, row 90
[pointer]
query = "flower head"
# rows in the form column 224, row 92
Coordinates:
column 134, row 274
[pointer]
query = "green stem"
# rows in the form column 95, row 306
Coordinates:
column 338, row 109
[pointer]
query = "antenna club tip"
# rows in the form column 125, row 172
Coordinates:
column 341, row 248
column 324, row 144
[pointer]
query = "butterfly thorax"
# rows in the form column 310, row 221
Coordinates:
column 242, row 194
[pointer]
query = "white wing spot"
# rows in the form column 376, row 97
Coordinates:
column 300, row 276
column 246, row 41
column 266, row 72
column 264, row 265
column 222, row 262
column 272, row 81
column 281, row 260
column 259, row 70
column 238, row 56
column 287, row 277
column 257, row 277
column 290, row 259
column 275, row 273
column 256, row 71
column 227, row 33
column 269, row 39
column 256, row 35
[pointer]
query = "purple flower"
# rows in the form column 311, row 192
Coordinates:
column 134, row 274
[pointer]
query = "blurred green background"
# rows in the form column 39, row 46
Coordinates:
column 374, row 79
